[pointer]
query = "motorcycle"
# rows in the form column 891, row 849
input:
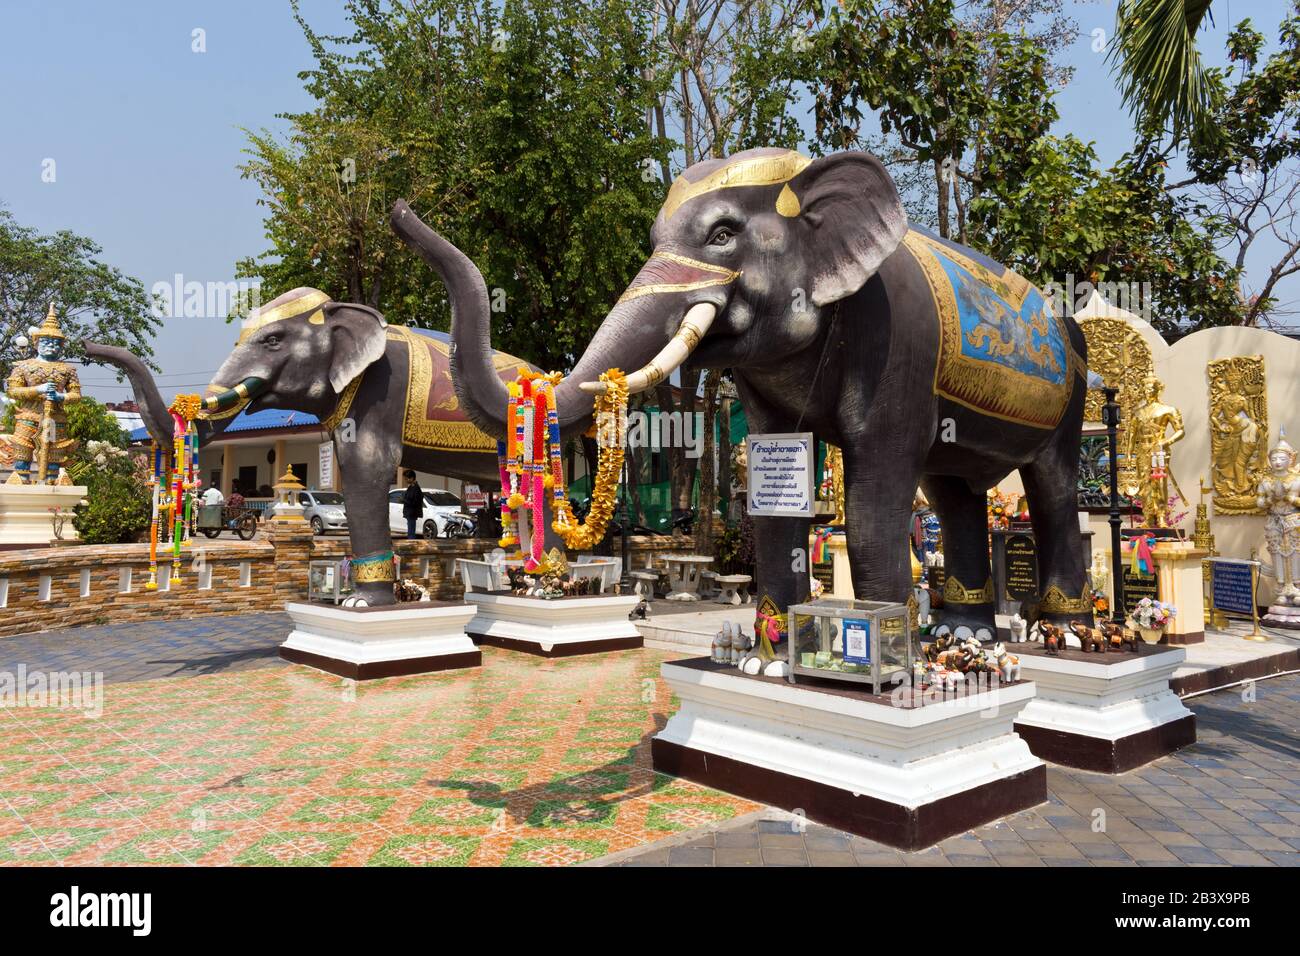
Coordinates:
column 458, row 526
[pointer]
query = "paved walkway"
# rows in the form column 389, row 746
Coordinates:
column 1232, row 798
column 155, row 649
column 248, row 760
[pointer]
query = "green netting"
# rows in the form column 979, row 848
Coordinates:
column 656, row 496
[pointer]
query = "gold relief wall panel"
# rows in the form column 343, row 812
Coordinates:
column 1238, row 423
column 1118, row 353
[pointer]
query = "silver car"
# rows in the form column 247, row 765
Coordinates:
column 324, row 509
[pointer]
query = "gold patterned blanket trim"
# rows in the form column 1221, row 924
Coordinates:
column 1055, row 602
column 433, row 417
column 954, row 592
column 344, row 406
column 1001, row 350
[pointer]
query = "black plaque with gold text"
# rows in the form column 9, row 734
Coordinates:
column 1139, row 586
column 1022, row 568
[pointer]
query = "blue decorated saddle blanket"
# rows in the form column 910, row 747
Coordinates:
column 1001, row 351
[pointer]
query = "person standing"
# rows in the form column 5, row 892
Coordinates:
column 412, row 503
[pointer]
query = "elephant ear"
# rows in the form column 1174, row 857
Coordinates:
column 357, row 341
column 852, row 205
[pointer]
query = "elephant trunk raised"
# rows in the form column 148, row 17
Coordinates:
column 642, row 333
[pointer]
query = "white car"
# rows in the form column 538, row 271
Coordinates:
column 437, row 505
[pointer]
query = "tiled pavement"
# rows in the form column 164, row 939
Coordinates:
column 521, row 762
column 248, row 760
column 1233, row 798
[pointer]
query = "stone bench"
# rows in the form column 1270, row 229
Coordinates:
column 643, row 584
column 708, row 583
column 734, row 587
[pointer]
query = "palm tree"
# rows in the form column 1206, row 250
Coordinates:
column 1162, row 79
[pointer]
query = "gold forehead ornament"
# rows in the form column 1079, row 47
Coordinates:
column 309, row 305
column 755, row 171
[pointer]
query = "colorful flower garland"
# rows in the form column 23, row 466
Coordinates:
column 530, row 461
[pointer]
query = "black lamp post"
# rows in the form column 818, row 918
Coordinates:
column 1110, row 416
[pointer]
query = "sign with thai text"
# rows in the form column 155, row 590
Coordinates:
column 1232, row 585
column 326, row 466
column 781, row 471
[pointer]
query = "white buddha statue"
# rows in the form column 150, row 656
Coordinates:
column 1278, row 493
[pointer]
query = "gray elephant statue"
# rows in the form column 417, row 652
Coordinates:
column 383, row 392
column 923, row 360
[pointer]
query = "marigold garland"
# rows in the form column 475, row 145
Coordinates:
column 530, row 461
column 604, row 492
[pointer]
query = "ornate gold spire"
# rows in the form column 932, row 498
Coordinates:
column 50, row 327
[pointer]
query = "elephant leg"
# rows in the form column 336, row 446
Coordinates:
column 877, row 504
column 968, row 595
column 779, row 544
column 365, row 495
column 1051, row 483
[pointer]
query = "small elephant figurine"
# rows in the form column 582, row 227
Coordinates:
column 1019, row 629
column 1090, row 638
column 937, row 647
column 1053, row 638
column 722, row 645
column 740, row 644
column 944, row 679
column 1119, row 636
column 1008, row 664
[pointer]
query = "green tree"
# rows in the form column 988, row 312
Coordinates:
column 94, row 300
column 1162, row 78
column 728, row 72
column 1039, row 202
column 517, row 130
column 1246, row 164
column 117, row 507
column 89, row 420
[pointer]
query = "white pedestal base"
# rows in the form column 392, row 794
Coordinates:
column 367, row 643
column 1109, row 714
column 25, row 513
column 906, row 776
column 560, row 627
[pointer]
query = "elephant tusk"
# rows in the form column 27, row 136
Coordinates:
column 232, row 397
column 693, row 328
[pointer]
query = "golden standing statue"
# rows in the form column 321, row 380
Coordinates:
column 1238, row 431
column 835, row 473
column 1149, row 449
column 41, row 388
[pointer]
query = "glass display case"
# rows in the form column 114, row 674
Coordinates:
column 326, row 582
column 870, row 642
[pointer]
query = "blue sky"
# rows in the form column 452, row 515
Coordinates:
column 146, row 133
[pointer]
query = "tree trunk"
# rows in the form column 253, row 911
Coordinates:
column 942, row 189
column 708, row 479
column 724, row 454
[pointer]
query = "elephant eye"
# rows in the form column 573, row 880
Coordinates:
column 271, row 340
column 721, row 236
